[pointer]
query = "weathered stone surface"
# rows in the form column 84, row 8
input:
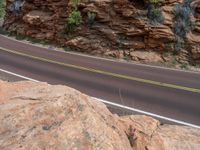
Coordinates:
column 153, row 136
column 119, row 24
column 39, row 116
column 194, row 41
column 168, row 13
column 146, row 56
column 36, row 17
column 174, row 137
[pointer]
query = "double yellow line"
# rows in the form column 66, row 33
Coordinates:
column 104, row 72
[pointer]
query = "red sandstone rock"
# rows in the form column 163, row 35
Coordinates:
column 119, row 24
column 40, row 116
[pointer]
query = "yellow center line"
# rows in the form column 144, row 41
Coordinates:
column 105, row 72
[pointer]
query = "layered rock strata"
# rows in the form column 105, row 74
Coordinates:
column 120, row 28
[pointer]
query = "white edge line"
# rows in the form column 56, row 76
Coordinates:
column 102, row 58
column 8, row 72
column 148, row 113
column 118, row 105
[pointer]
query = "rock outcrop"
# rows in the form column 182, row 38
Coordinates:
column 120, row 28
column 41, row 116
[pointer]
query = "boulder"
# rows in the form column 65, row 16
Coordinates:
column 40, row 116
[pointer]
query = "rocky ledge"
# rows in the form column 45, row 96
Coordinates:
column 38, row 116
column 112, row 28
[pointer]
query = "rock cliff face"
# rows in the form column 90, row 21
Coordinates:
column 120, row 28
column 40, row 116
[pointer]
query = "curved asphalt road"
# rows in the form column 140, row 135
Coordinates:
column 170, row 93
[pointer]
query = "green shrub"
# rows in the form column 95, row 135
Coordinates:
column 15, row 7
column 198, row 66
column 179, row 43
column 73, row 20
column 90, row 19
column 120, row 39
column 2, row 8
column 182, row 23
column 20, row 37
column 155, row 15
column 3, row 31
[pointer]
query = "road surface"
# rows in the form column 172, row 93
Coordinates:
column 170, row 93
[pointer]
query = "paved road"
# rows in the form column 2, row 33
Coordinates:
column 8, row 77
column 170, row 93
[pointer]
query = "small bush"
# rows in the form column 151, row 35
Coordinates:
column 3, row 31
column 169, row 46
column 179, row 44
column 20, row 37
column 131, row 136
column 155, row 15
column 90, row 19
column 73, row 20
column 182, row 23
column 15, row 7
column 2, row 8
column 198, row 66
column 120, row 39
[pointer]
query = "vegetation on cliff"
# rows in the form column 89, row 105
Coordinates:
column 74, row 17
column 182, row 23
column 154, row 13
column 2, row 8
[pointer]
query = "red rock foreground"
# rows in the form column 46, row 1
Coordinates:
column 38, row 116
